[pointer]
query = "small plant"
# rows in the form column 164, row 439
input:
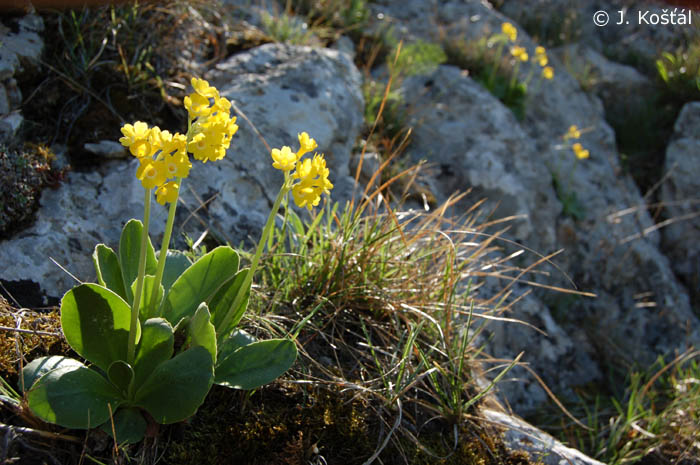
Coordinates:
column 680, row 72
column 654, row 418
column 499, row 72
column 286, row 28
column 570, row 203
column 157, row 329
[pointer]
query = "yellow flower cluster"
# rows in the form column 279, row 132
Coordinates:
column 542, row 60
column 211, row 126
column 573, row 133
column 519, row 53
column 579, row 151
column 162, row 156
column 311, row 174
column 510, row 31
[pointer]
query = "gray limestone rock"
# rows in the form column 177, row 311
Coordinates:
column 680, row 193
column 541, row 447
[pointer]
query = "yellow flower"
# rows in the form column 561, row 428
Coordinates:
column 519, row 52
column 177, row 165
column 313, row 181
column 167, row 192
column 136, row 138
column 151, row 173
column 197, row 106
column 203, row 88
column 284, row 159
column 306, row 144
column 548, row 72
column 572, row 133
column 510, row 31
column 541, row 56
column 580, row 152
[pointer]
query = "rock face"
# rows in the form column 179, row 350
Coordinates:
column 282, row 90
column 541, row 447
column 680, row 194
column 20, row 48
column 610, row 247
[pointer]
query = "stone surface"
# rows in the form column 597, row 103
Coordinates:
column 107, row 149
column 22, row 47
column 540, row 446
column 680, row 193
column 611, row 250
column 282, row 90
column 621, row 88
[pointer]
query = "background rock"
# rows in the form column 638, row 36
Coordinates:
column 680, row 194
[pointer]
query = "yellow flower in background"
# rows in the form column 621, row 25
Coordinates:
column 284, row 159
column 579, row 151
column 151, row 173
column 519, row 53
column 306, row 144
column 573, row 133
column 167, row 192
column 541, row 56
column 510, row 31
column 548, row 72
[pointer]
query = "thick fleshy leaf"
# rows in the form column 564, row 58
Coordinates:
column 256, row 364
column 202, row 332
column 176, row 388
column 156, row 347
column 121, row 375
column 147, row 311
column 96, row 323
column 109, row 273
column 42, row 365
column 199, row 283
column 235, row 341
column 73, row 397
column 223, row 300
column 129, row 426
column 129, row 252
column 175, row 264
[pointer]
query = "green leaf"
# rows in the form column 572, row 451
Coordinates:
column 109, row 273
column 73, row 397
column 202, row 332
column 129, row 426
column 129, row 252
column 156, row 347
column 96, row 323
column 256, row 364
column 121, row 375
column 42, row 365
column 176, row 263
column 199, row 283
column 238, row 339
column 223, row 300
column 176, row 388
column 145, row 309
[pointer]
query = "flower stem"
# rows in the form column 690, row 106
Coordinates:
column 164, row 246
column 243, row 290
column 131, row 348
